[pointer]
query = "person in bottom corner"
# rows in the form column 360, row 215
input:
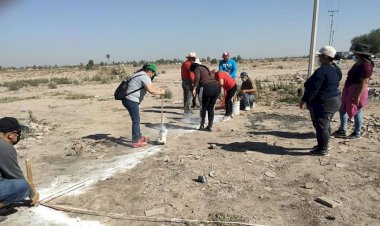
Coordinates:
column 139, row 84
column 355, row 91
column 322, row 97
column 210, row 92
column 229, row 86
column 247, row 92
column 13, row 185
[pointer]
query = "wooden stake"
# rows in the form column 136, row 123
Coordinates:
column 29, row 175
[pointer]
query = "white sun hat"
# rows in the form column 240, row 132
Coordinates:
column 191, row 55
column 328, row 51
column 197, row 61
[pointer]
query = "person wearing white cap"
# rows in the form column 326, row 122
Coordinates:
column 322, row 97
column 228, row 65
column 187, row 78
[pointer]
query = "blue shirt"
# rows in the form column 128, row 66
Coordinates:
column 228, row 66
column 323, row 84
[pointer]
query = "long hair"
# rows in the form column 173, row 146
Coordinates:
column 193, row 66
column 144, row 68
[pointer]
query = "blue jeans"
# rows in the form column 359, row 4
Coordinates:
column 134, row 112
column 187, row 87
column 358, row 120
column 13, row 190
column 246, row 100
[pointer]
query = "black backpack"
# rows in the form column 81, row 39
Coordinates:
column 121, row 90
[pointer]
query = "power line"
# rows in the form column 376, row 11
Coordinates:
column 331, row 26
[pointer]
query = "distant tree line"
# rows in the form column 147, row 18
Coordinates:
column 372, row 39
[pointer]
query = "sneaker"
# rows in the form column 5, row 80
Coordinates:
column 340, row 132
column 208, row 128
column 202, row 127
column 320, row 152
column 139, row 144
column 354, row 135
column 145, row 139
column 247, row 108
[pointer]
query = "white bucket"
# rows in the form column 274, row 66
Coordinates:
column 236, row 108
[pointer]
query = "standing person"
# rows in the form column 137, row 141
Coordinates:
column 139, row 84
column 247, row 92
column 187, row 77
column 228, row 65
column 229, row 86
column 211, row 91
column 13, row 186
column 355, row 91
column 322, row 97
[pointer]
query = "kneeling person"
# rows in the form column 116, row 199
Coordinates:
column 13, row 186
column 247, row 92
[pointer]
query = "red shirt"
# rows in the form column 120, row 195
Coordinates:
column 186, row 74
column 229, row 82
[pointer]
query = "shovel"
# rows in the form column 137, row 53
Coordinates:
column 163, row 133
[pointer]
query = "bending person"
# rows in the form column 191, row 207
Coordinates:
column 210, row 93
column 139, row 84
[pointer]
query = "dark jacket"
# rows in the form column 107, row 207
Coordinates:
column 323, row 84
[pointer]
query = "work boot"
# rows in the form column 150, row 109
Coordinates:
column 320, row 152
column 202, row 127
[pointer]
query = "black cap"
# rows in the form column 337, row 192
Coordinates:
column 9, row 124
column 243, row 74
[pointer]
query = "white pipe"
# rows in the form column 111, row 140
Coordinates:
column 313, row 38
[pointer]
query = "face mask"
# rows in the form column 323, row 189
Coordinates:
column 17, row 139
column 153, row 77
column 244, row 79
column 355, row 58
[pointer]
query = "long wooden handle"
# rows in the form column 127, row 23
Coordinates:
column 29, row 172
column 162, row 112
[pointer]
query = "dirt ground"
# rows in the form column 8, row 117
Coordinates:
column 257, row 164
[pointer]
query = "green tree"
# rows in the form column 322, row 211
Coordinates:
column 372, row 39
column 108, row 57
column 214, row 61
column 1, row 68
column 90, row 65
column 101, row 63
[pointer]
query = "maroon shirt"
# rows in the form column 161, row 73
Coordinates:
column 358, row 72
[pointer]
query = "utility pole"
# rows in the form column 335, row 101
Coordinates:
column 313, row 37
column 331, row 26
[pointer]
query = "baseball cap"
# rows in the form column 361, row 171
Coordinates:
column 9, row 124
column 328, row 51
column 191, row 55
column 152, row 67
column 243, row 74
column 226, row 54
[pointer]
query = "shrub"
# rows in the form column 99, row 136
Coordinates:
column 168, row 94
column 52, row 86
column 60, row 81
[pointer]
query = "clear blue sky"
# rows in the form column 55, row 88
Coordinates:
column 43, row 32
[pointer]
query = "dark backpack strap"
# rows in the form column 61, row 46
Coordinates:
column 136, row 89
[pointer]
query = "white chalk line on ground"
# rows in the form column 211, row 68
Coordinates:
column 123, row 164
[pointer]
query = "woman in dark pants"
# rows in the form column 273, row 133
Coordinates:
column 211, row 92
column 322, row 97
